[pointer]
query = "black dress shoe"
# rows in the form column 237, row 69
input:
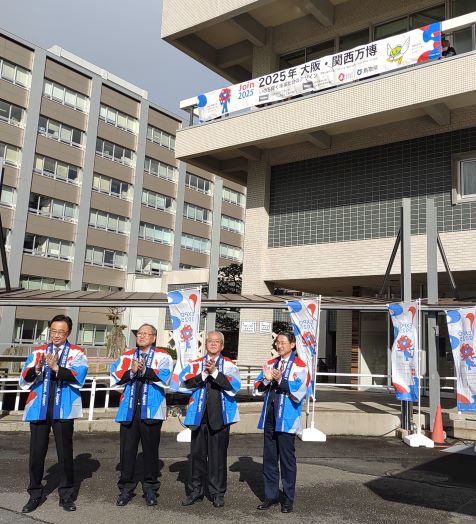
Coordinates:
column 151, row 499
column 267, row 504
column 287, row 507
column 191, row 499
column 67, row 505
column 123, row 499
column 31, row 505
column 218, row 501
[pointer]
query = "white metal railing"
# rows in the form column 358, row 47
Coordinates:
column 101, row 383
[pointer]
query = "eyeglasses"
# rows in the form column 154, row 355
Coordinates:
column 213, row 341
column 142, row 334
column 60, row 333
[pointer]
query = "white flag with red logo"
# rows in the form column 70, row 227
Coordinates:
column 184, row 307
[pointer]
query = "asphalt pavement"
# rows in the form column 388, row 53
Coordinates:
column 345, row 480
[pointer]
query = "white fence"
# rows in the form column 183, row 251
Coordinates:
column 100, row 384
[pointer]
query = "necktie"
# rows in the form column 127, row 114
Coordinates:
column 282, row 366
column 57, row 352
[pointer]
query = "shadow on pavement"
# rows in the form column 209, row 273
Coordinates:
column 183, row 469
column 250, row 472
column 84, row 467
column 447, row 484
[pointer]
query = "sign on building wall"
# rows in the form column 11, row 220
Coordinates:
column 405, row 350
column 461, row 332
column 184, row 307
column 248, row 326
column 354, row 64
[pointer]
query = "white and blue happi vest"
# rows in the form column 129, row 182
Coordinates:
column 67, row 403
column 196, row 404
column 153, row 395
column 288, row 414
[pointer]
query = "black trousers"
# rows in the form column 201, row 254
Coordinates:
column 208, row 464
column 278, row 452
column 39, row 438
column 148, row 433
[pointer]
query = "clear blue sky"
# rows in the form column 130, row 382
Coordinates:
column 122, row 36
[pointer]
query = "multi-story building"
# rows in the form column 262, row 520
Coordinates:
column 92, row 192
column 326, row 173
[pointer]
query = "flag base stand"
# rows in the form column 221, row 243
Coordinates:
column 418, row 440
column 312, row 434
column 184, row 436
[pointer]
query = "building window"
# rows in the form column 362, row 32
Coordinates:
column 233, row 197
column 160, row 137
column 156, row 168
column 11, row 113
column 187, row 266
column 10, row 154
column 197, row 213
column 31, row 331
column 161, row 235
column 60, row 132
column 65, row 96
column 232, row 224
column 88, row 286
column 108, row 222
column 118, row 119
column 44, row 283
column 151, row 266
column 158, row 201
column 42, row 246
column 353, row 40
column 231, row 252
column 93, row 334
column 98, row 256
column 8, row 196
column 194, row 243
column 114, row 152
column 307, row 54
column 15, row 73
column 52, row 207
column 52, row 168
column 112, row 186
column 464, row 177
column 198, row 184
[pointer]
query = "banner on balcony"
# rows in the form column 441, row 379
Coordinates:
column 360, row 62
column 305, row 315
column 461, row 332
column 405, row 348
column 184, row 307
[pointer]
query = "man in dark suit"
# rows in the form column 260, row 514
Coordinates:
column 54, row 374
column 214, row 380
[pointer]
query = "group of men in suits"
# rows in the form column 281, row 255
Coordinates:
column 55, row 372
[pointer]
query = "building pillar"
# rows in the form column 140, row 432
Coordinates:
column 254, row 348
column 264, row 59
column 17, row 236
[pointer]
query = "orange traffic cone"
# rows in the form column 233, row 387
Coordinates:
column 437, row 435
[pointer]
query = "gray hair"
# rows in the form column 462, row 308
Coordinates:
column 220, row 335
column 154, row 330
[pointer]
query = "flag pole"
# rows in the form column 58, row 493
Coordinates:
column 312, row 434
column 418, row 439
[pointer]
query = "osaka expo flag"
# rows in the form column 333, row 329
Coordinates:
column 305, row 316
column 184, row 307
column 461, row 332
column 404, row 350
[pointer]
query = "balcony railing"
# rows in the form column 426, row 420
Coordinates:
column 297, row 89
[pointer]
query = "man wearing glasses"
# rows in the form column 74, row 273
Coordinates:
column 213, row 381
column 54, row 374
column 143, row 370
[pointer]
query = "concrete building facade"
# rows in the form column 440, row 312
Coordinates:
column 326, row 173
column 93, row 197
